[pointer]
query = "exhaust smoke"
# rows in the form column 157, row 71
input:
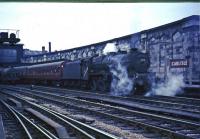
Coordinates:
column 121, row 84
column 171, row 87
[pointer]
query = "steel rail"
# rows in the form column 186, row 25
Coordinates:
column 17, row 119
column 22, row 118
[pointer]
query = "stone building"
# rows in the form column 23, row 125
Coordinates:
column 179, row 40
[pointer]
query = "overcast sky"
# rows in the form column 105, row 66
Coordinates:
column 69, row 25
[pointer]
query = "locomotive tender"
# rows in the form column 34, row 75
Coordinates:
column 91, row 73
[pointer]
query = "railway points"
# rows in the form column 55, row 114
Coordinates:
column 77, row 129
column 17, row 126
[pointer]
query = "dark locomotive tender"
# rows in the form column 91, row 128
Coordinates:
column 92, row 73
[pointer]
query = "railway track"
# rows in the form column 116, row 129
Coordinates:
column 17, row 126
column 187, row 111
column 181, row 100
column 9, row 124
column 169, row 99
column 74, row 128
column 159, row 99
column 169, row 127
column 11, row 95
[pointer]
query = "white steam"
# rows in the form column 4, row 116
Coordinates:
column 110, row 47
column 121, row 84
column 171, row 87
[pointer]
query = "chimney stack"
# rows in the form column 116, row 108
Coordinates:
column 49, row 47
column 43, row 49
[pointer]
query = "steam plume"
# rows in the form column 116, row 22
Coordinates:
column 110, row 47
column 171, row 87
column 121, row 84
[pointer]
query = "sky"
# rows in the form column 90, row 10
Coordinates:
column 70, row 25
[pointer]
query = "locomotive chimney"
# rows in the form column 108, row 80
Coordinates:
column 43, row 49
column 49, row 47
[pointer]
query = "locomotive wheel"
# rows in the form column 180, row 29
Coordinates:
column 101, row 85
column 93, row 85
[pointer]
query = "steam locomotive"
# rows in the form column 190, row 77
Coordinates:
column 91, row 73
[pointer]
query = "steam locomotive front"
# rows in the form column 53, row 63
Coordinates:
column 120, row 70
column 137, row 64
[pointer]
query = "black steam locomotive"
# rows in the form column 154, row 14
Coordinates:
column 93, row 73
